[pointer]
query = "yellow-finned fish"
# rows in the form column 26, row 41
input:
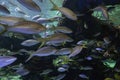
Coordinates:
column 65, row 11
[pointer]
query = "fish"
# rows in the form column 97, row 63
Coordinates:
column 88, row 58
column 30, row 4
column 6, row 60
column 27, row 27
column 58, row 38
column 61, row 69
column 65, row 11
column 48, row 20
column 44, row 51
column 75, row 51
column 22, row 71
column 63, row 29
column 4, row 9
column 104, row 11
column 83, row 76
column 29, row 42
column 10, row 20
column 59, row 77
column 64, row 51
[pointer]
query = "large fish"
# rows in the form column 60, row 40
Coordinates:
column 30, row 4
column 6, row 60
column 65, row 11
column 27, row 27
column 4, row 9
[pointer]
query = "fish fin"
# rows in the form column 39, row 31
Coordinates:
column 55, row 7
column 42, row 44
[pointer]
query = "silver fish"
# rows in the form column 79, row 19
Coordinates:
column 30, row 4
column 22, row 71
column 10, row 20
column 84, row 76
column 6, row 60
column 65, row 11
column 58, row 38
column 29, row 42
column 64, row 51
column 63, row 29
column 59, row 77
column 76, row 51
column 27, row 27
column 44, row 51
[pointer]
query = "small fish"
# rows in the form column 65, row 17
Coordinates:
column 44, row 51
column 64, row 51
column 61, row 69
column 63, row 29
column 83, row 76
column 4, row 9
column 65, row 11
column 48, row 20
column 30, row 4
column 58, row 38
column 30, row 42
column 27, row 27
column 22, row 71
column 6, row 60
column 89, row 58
column 104, row 11
column 59, row 77
column 76, row 51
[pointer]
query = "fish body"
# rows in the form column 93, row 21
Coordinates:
column 76, row 50
column 104, row 11
column 10, row 20
column 6, row 60
column 27, row 27
column 44, row 51
column 30, row 4
column 58, row 38
column 63, row 51
column 63, row 29
column 65, row 11
column 29, row 42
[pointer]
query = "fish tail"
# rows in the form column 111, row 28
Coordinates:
column 55, row 7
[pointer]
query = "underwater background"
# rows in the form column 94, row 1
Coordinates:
column 33, row 46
